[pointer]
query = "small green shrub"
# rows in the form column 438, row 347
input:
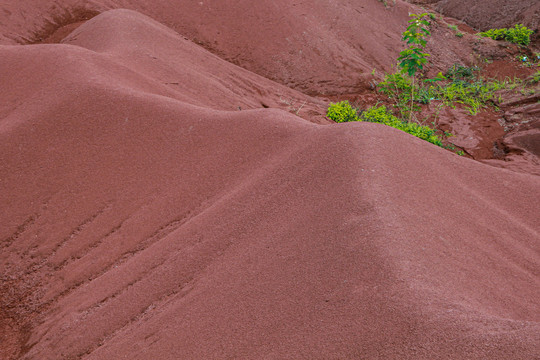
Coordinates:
column 519, row 34
column 381, row 115
column 495, row 34
column 342, row 112
column 461, row 73
column 394, row 84
column 398, row 87
column 423, row 96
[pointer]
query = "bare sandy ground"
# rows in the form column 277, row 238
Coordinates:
column 146, row 214
column 493, row 14
column 321, row 47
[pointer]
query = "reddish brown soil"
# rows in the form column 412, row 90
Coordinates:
column 320, row 48
column 506, row 70
column 491, row 14
column 159, row 202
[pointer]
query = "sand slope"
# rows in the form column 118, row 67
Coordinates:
column 143, row 219
column 317, row 47
column 486, row 15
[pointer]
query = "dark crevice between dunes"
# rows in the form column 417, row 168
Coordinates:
column 60, row 25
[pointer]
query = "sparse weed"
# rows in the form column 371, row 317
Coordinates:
column 291, row 105
column 459, row 86
column 536, row 77
column 474, row 95
column 385, row 2
column 512, row 84
column 461, row 73
column 527, row 92
column 456, row 30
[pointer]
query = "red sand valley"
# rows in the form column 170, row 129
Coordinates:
column 165, row 200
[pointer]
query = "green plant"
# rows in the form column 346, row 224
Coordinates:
column 459, row 85
column 487, row 60
column 513, row 83
column 439, row 77
column 519, row 34
column 342, row 112
column 474, row 94
column 379, row 114
column 393, row 83
column 527, row 92
column 398, row 88
column 423, row 95
column 495, row 34
column 456, row 30
column 464, row 87
column 536, row 77
column 412, row 59
column 461, row 73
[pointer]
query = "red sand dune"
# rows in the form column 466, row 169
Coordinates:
column 142, row 218
column 318, row 47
